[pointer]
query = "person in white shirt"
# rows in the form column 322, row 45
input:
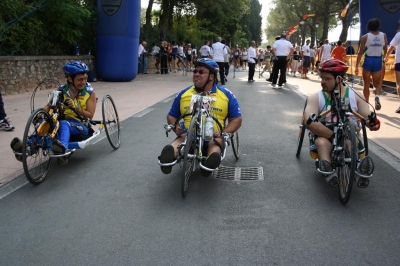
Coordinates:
column 282, row 50
column 251, row 58
column 371, row 46
column 325, row 52
column 305, row 55
column 395, row 44
column 312, row 59
column 205, row 50
column 226, row 61
column 155, row 51
column 142, row 58
column 218, row 52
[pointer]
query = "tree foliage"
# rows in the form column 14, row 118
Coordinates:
column 50, row 29
column 289, row 13
column 194, row 21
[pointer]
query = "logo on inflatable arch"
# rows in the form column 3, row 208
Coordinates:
column 110, row 7
column 390, row 5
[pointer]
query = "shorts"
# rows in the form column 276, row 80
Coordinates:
column 372, row 63
column 306, row 62
column 236, row 56
column 397, row 67
column 189, row 58
column 261, row 60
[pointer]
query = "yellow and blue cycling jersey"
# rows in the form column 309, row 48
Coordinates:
column 224, row 105
column 80, row 100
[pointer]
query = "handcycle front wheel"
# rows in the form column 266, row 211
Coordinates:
column 346, row 170
column 188, row 161
column 35, row 151
column 111, row 121
column 235, row 145
column 302, row 131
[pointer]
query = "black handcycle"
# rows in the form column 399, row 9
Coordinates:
column 190, row 152
column 348, row 144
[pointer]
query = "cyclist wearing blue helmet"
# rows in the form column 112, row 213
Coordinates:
column 77, row 94
column 224, row 106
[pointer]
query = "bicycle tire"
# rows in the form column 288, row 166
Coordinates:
column 111, row 121
column 347, row 169
column 302, row 131
column 35, row 160
column 235, row 145
column 188, row 163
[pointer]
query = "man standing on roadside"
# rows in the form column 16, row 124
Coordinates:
column 205, row 50
column 282, row 50
column 349, row 48
column 143, row 58
column 218, row 52
column 226, row 61
column 251, row 58
column 305, row 55
column 325, row 52
column 4, row 124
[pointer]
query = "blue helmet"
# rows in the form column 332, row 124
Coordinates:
column 208, row 63
column 75, row 67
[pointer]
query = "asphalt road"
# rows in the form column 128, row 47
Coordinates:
column 111, row 207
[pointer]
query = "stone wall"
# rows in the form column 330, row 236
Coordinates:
column 23, row 73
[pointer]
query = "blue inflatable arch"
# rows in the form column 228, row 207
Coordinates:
column 118, row 32
column 388, row 13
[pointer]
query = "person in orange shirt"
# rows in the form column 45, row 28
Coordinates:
column 339, row 51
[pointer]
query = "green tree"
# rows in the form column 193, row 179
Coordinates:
column 49, row 29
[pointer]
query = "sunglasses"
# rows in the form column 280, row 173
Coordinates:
column 201, row 72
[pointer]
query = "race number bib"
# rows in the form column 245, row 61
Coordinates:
column 207, row 100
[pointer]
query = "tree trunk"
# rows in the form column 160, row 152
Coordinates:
column 148, row 12
column 164, row 14
column 325, row 28
column 345, row 29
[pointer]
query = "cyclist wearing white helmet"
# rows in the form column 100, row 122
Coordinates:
column 224, row 106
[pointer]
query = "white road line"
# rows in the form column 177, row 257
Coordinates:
column 143, row 112
column 12, row 186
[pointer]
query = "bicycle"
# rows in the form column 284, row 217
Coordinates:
column 42, row 127
column 348, row 146
column 191, row 150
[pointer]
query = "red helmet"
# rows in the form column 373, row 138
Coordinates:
column 333, row 66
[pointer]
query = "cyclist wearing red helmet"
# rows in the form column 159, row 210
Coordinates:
column 79, row 95
column 224, row 106
column 332, row 72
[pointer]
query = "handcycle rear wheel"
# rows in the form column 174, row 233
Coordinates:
column 35, row 150
column 235, row 145
column 188, row 161
column 346, row 170
column 111, row 121
column 302, row 131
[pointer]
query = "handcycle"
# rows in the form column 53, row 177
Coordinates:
column 191, row 150
column 348, row 145
column 41, row 129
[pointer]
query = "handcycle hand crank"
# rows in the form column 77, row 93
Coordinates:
column 168, row 129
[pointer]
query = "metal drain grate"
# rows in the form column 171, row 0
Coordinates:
column 239, row 173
